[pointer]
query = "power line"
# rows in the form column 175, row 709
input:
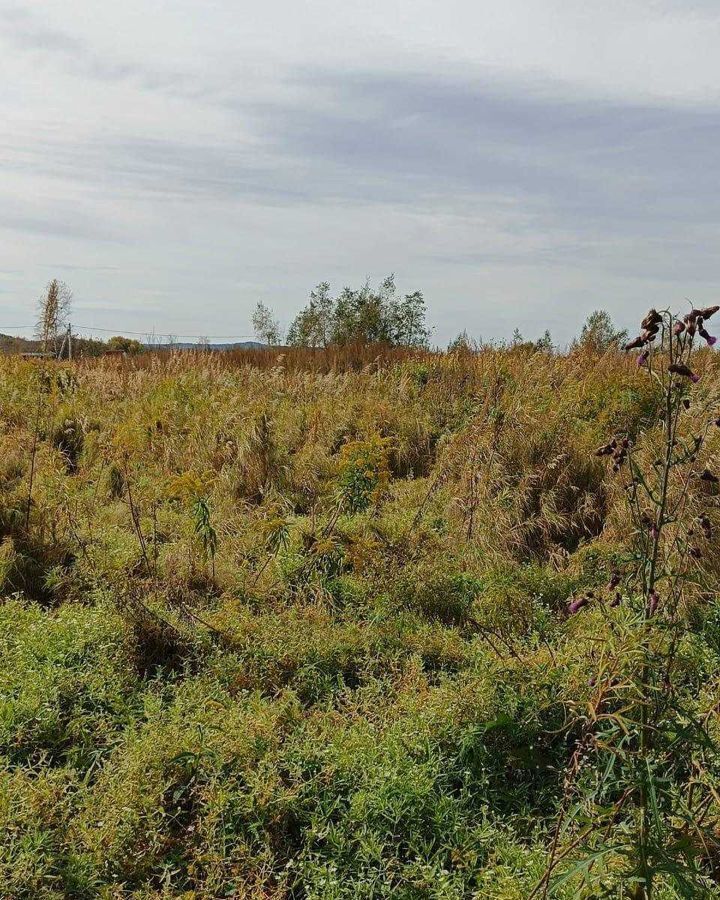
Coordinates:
column 120, row 331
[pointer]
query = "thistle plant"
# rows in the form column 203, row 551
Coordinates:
column 641, row 812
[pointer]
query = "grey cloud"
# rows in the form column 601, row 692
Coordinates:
column 26, row 32
column 587, row 183
column 582, row 157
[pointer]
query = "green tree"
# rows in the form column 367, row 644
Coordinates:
column 367, row 315
column 600, row 334
column 265, row 325
column 545, row 342
column 313, row 326
column 126, row 344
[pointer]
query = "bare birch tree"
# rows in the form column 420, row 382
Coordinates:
column 53, row 314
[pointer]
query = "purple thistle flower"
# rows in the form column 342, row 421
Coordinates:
column 577, row 605
column 653, row 601
column 643, row 358
column 709, row 339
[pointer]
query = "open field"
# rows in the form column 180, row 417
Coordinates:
column 296, row 625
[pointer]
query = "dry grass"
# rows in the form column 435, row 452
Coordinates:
column 364, row 697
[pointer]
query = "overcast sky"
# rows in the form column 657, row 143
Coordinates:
column 521, row 162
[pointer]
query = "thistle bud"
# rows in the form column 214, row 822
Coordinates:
column 577, row 605
column 614, row 581
column 707, row 475
column 617, row 599
column 643, row 358
column 686, row 403
column 678, row 329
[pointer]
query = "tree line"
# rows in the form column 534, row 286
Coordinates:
column 365, row 315
column 379, row 315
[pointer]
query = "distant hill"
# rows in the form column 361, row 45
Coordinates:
column 89, row 347
column 241, row 345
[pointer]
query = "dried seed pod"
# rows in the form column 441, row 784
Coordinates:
column 684, row 371
column 708, row 311
column 652, row 319
column 635, row 343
